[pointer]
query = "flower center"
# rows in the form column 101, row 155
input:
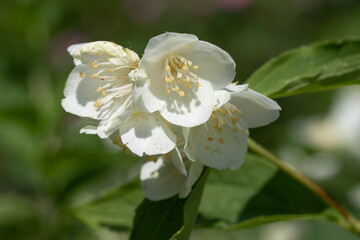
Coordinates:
column 118, row 83
column 227, row 114
column 179, row 74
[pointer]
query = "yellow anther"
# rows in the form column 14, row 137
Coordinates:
column 188, row 79
column 103, row 94
column 180, row 65
column 196, row 78
column 197, row 84
column 232, row 110
column 151, row 158
column 189, row 63
column 182, row 93
column 176, row 173
column 168, row 91
column 196, row 67
column 127, row 151
column 82, row 74
column 94, row 65
column 176, row 89
column 110, row 70
column 234, row 119
column 98, row 103
column 187, row 85
column 221, row 140
column 168, row 68
column 172, row 79
column 167, row 79
column 179, row 81
column 94, row 76
column 213, row 116
column 245, row 131
column 183, row 60
column 234, row 129
column 239, row 112
column 222, row 111
column 185, row 68
column 99, row 89
column 172, row 64
column 117, row 139
column 210, row 139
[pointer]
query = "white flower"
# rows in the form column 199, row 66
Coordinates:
column 99, row 87
column 221, row 142
column 183, row 73
column 145, row 133
column 162, row 177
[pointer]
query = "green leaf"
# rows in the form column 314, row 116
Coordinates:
column 320, row 66
column 114, row 210
column 172, row 218
column 255, row 194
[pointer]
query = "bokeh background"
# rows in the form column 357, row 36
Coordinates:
column 46, row 166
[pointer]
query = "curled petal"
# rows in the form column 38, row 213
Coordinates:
column 147, row 133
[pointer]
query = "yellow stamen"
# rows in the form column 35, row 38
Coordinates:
column 189, row 63
column 234, row 129
column 110, row 70
column 197, row 84
column 179, row 81
column 168, row 68
column 183, row 60
column 196, row 78
column 196, row 67
column 213, row 116
column 221, row 140
column 185, row 68
column 117, row 139
column 94, row 65
column 246, row 131
column 232, row 110
column 176, row 89
column 210, row 139
column 239, row 112
column 103, row 94
column 182, row 93
column 176, row 173
column 168, row 91
column 167, row 79
column 98, row 103
column 99, row 89
column 94, row 75
column 187, row 85
column 82, row 74
column 188, row 79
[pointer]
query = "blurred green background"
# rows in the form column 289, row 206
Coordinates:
column 46, row 166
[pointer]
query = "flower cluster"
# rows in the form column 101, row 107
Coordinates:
column 176, row 105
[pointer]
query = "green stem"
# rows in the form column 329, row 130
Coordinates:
column 351, row 223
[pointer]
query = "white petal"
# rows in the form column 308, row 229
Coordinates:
column 178, row 162
column 119, row 115
column 152, row 98
column 159, row 181
column 74, row 49
column 234, row 87
column 257, row 109
column 190, row 143
column 191, row 110
column 141, row 83
column 80, row 93
column 215, row 65
column 220, row 98
column 167, row 43
column 229, row 154
column 147, row 133
column 89, row 129
column 194, row 173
